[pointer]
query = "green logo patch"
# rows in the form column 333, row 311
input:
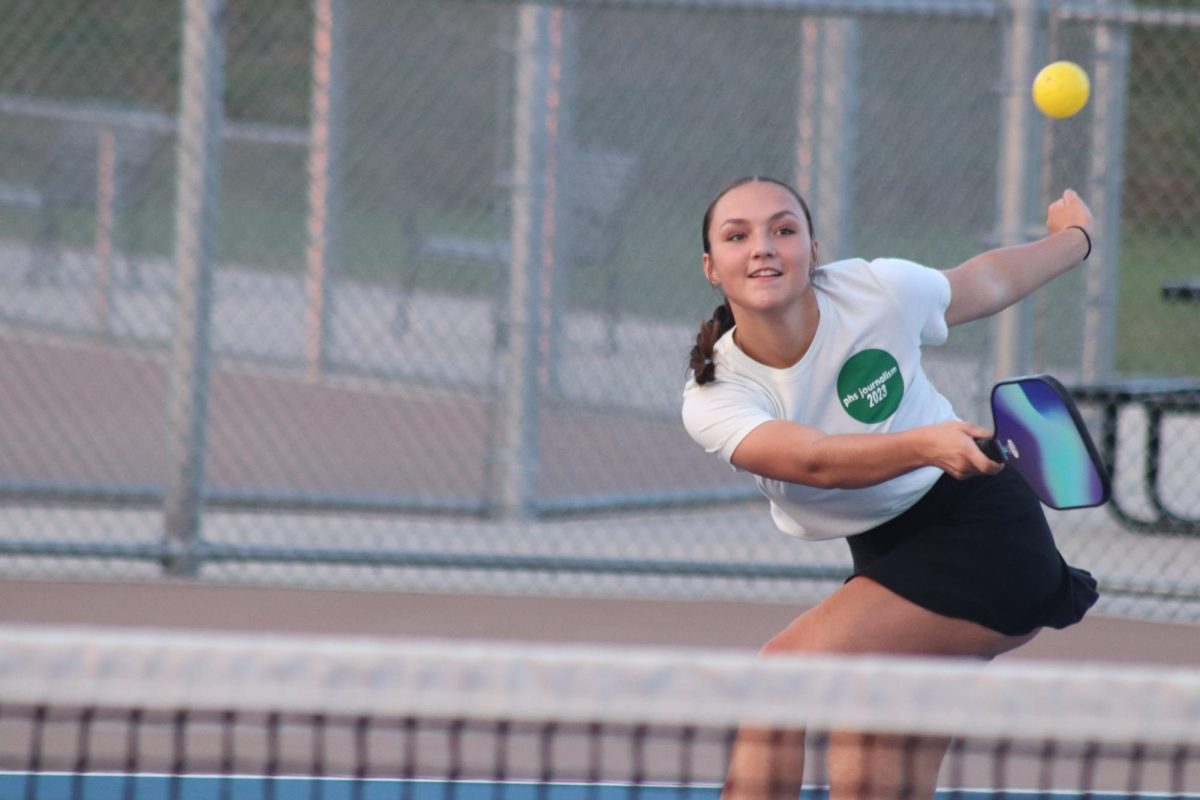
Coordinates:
column 870, row 386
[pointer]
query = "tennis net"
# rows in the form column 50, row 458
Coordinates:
column 115, row 714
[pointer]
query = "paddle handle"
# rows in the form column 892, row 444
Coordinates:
column 991, row 449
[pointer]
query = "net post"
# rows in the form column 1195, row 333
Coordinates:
column 197, row 184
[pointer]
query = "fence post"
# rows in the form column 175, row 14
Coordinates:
column 535, row 167
column 1019, row 166
column 826, row 132
column 106, row 201
column 1105, row 175
column 197, row 182
column 324, row 179
column 564, row 54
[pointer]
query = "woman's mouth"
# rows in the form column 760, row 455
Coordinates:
column 766, row 272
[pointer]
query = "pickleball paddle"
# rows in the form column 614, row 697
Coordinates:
column 1039, row 433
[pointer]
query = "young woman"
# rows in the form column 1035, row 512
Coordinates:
column 809, row 377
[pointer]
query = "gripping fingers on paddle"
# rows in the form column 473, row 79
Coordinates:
column 991, row 449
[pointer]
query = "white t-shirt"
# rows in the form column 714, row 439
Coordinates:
column 861, row 374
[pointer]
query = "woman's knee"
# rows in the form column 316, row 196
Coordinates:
column 775, row 647
column 807, row 634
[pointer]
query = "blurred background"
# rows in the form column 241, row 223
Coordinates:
column 397, row 296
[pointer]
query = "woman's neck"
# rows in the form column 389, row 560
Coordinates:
column 781, row 340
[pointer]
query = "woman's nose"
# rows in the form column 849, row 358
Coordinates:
column 763, row 245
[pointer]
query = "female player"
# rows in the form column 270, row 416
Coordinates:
column 810, row 378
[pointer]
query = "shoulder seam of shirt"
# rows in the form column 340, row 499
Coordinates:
column 887, row 290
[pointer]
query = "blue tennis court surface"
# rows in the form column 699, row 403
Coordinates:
column 163, row 787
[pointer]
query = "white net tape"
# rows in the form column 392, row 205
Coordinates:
column 160, row 670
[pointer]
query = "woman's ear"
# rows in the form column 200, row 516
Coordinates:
column 709, row 273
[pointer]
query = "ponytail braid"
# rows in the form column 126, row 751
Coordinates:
column 711, row 330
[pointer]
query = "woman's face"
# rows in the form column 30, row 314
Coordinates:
column 762, row 251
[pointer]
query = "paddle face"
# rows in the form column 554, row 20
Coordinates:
column 1039, row 433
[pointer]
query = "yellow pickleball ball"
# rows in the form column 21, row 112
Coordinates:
column 1061, row 89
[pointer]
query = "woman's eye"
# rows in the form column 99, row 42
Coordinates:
column 787, row 231
column 735, row 237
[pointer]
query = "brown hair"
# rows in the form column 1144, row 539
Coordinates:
column 721, row 321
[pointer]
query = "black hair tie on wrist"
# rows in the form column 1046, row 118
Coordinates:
column 1087, row 236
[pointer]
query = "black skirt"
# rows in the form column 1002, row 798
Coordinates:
column 977, row 549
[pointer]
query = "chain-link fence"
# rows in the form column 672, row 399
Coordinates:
column 400, row 293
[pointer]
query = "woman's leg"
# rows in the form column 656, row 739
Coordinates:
column 860, row 617
column 765, row 764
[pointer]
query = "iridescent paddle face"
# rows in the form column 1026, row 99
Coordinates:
column 1040, row 434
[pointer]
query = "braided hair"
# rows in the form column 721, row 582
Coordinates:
column 711, row 330
column 701, row 360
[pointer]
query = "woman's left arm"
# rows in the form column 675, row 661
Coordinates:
column 993, row 281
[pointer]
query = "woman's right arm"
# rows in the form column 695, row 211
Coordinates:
column 795, row 453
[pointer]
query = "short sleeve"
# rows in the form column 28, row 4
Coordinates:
column 720, row 414
column 923, row 295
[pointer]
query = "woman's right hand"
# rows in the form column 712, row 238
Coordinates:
column 952, row 447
